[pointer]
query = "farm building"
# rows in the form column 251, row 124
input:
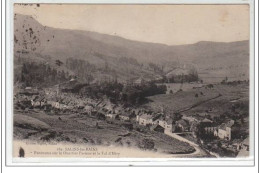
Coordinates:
column 146, row 119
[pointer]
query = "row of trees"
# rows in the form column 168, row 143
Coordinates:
column 40, row 75
column 82, row 69
column 116, row 92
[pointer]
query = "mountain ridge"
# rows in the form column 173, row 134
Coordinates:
column 96, row 48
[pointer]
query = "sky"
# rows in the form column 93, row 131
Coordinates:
column 167, row 24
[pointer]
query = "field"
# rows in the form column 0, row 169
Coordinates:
column 219, row 102
column 230, row 95
column 80, row 129
column 217, row 99
column 181, row 100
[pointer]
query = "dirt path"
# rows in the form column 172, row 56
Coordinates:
column 198, row 151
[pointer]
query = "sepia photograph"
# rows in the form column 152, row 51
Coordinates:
column 131, row 81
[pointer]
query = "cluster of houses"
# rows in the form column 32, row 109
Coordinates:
column 162, row 123
column 222, row 131
column 155, row 121
column 48, row 99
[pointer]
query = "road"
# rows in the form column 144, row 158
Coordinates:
column 198, row 151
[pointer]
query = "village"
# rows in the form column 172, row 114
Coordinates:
column 218, row 139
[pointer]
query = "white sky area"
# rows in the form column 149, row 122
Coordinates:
column 167, row 24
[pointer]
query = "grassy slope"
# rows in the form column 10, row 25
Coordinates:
column 82, row 129
column 181, row 100
column 224, row 103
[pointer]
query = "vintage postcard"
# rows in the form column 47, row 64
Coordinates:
column 131, row 81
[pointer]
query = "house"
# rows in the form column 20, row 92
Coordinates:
column 146, row 119
column 112, row 115
column 182, row 125
column 245, row 144
column 206, row 121
column 190, row 119
column 110, row 106
column 167, row 123
column 28, row 88
column 139, row 113
column 88, row 109
column 140, row 81
column 158, row 78
column 124, row 116
column 208, row 126
column 58, row 104
column 118, row 109
column 63, row 106
column 170, row 126
column 224, row 130
column 216, row 132
column 244, row 150
column 55, row 104
column 210, row 130
column 38, row 102
column 162, row 122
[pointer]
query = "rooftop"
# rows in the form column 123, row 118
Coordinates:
column 183, row 122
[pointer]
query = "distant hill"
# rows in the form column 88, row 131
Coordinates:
column 116, row 56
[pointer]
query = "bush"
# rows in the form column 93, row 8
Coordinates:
column 147, row 144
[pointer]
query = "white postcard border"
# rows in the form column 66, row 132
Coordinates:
column 122, row 161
